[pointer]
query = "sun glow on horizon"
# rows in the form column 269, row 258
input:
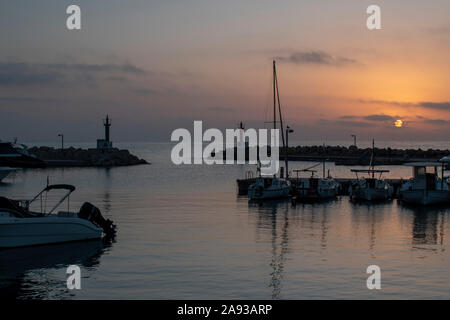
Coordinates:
column 398, row 123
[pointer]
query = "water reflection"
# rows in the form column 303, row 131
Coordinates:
column 370, row 215
column 428, row 226
column 273, row 215
column 282, row 222
column 26, row 272
column 107, row 191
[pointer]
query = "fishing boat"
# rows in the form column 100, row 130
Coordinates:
column 20, row 226
column 269, row 188
column 313, row 188
column 426, row 187
column 370, row 188
column 5, row 171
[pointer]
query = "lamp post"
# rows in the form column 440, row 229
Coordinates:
column 62, row 140
column 354, row 139
column 288, row 130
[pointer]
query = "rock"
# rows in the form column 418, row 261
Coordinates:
column 85, row 157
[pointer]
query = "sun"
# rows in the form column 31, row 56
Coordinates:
column 398, row 123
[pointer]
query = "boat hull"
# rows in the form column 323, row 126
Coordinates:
column 425, row 197
column 4, row 172
column 371, row 194
column 21, row 232
column 304, row 194
column 268, row 193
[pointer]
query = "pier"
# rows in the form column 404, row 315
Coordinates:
column 354, row 156
column 345, row 183
column 102, row 156
column 77, row 157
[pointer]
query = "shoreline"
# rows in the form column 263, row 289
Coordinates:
column 361, row 156
column 354, row 156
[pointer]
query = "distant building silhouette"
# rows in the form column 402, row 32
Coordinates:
column 105, row 143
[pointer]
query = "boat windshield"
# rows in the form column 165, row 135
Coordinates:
column 50, row 198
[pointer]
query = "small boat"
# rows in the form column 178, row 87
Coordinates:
column 370, row 189
column 5, row 171
column 269, row 188
column 314, row 188
column 426, row 188
column 16, row 155
column 20, row 226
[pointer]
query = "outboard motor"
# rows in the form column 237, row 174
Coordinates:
column 93, row 214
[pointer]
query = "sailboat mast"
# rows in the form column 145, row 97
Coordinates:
column 277, row 92
column 274, row 96
column 371, row 159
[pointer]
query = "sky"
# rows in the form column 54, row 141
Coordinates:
column 155, row 66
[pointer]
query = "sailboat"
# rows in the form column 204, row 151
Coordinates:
column 271, row 187
column 370, row 188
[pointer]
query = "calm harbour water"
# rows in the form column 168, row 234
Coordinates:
column 184, row 234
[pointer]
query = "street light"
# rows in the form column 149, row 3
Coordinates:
column 62, row 140
column 288, row 130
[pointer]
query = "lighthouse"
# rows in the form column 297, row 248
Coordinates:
column 105, row 143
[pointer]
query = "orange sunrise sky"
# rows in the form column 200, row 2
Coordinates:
column 157, row 66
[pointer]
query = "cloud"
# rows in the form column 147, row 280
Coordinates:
column 438, row 122
column 345, row 123
column 436, row 105
column 31, row 100
column 317, row 58
column 27, row 74
column 445, row 105
column 392, row 103
column 379, row 117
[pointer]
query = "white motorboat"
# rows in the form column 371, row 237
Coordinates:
column 19, row 226
column 5, row 171
column 269, row 188
column 426, row 188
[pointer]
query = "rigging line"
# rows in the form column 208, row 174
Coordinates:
column 268, row 97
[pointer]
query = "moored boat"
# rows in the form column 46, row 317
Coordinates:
column 426, row 187
column 5, row 171
column 370, row 188
column 313, row 188
column 20, row 226
column 269, row 188
column 16, row 155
